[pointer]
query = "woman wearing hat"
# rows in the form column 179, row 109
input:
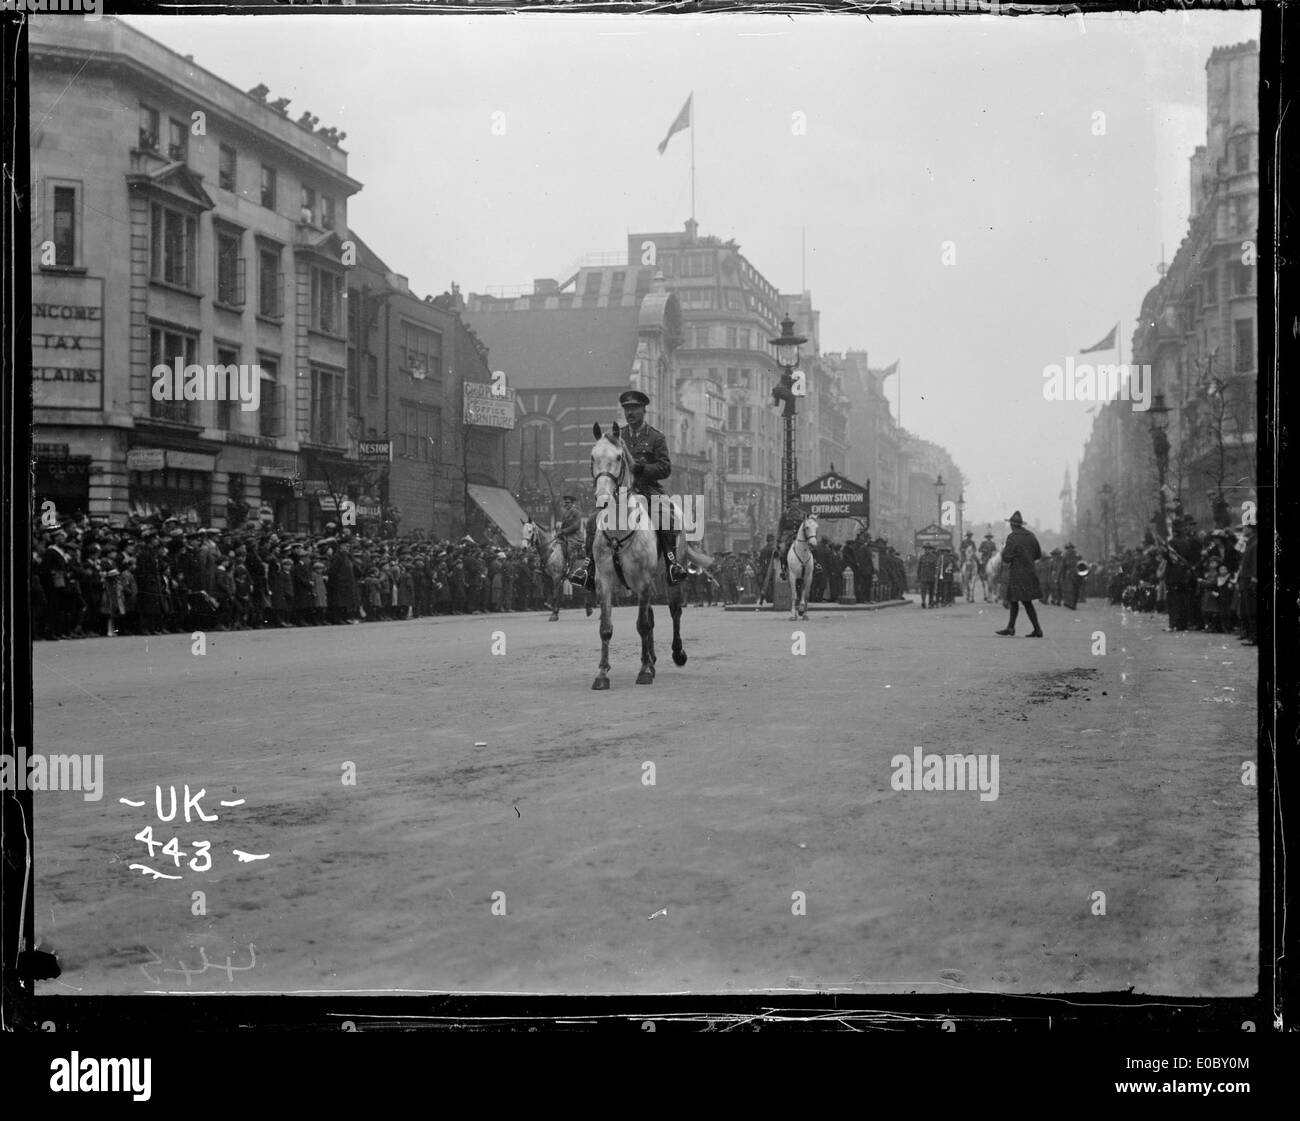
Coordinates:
column 650, row 464
column 1018, row 557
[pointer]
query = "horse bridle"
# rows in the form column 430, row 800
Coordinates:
column 618, row 481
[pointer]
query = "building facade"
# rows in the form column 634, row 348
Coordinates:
column 1198, row 331
column 178, row 221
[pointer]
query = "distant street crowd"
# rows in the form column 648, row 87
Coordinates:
column 90, row 578
column 1206, row 580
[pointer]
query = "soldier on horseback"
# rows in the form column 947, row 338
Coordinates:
column 569, row 534
column 650, row 463
column 791, row 520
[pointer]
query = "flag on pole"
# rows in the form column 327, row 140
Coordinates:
column 1108, row 343
column 682, row 122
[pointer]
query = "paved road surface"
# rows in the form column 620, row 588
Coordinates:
column 479, row 773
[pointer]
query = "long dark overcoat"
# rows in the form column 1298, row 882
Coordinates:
column 1018, row 557
column 341, row 588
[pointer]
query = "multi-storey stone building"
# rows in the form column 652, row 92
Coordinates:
column 178, row 219
column 1198, row 332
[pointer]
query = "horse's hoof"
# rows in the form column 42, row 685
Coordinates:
column 600, row 683
column 644, row 678
column 679, row 657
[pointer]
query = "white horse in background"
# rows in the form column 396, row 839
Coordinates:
column 799, row 566
column 995, row 578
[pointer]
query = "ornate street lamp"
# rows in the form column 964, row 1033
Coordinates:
column 939, row 484
column 961, row 516
column 1159, row 413
column 787, row 357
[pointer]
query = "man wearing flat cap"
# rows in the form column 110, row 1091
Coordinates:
column 1018, row 556
column 650, row 464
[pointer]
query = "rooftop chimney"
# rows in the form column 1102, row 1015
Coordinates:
column 545, row 287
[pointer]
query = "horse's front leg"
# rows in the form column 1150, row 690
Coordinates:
column 645, row 626
column 794, row 593
column 675, row 610
column 606, row 633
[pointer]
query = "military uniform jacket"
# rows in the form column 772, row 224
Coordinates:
column 649, row 448
column 570, row 525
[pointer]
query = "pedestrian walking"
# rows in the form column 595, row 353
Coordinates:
column 1019, row 555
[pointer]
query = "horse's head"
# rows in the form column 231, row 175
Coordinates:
column 808, row 531
column 530, row 532
column 609, row 460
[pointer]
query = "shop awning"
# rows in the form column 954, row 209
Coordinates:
column 500, row 506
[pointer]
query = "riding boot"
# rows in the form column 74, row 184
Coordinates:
column 676, row 573
column 584, row 576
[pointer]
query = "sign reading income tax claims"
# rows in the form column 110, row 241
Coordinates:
column 834, row 496
column 67, row 341
column 492, row 406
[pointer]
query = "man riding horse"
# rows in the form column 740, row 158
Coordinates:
column 569, row 534
column 650, row 463
column 789, row 525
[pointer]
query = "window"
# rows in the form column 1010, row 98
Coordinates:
column 178, row 139
column 745, row 377
column 1243, row 337
column 417, row 437
column 733, row 376
column 326, row 301
column 593, row 284
column 746, row 419
column 149, row 125
column 327, row 212
column 1243, row 279
column 713, row 373
column 746, row 460
column 666, row 264
column 166, row 348
column 270, row 412
column 326, row 406
column 733, row 300
column 268, row 187
column 308, row 204
column 65, row 226
column 173, row 246
column 226, row 168
column 227, row 356
column 372, row 375
column 1211, row 289
column 732, row 340
column 616, row 287
column 270, row 284
column 733, row 417
column 643, row 279
column 733, row 461
column 230, row 270
column 744, row 338
column 421, row 352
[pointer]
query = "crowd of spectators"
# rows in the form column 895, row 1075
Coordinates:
column 1205, row 579
column 154, row 577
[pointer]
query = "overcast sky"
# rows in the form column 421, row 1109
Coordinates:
column 919, row 131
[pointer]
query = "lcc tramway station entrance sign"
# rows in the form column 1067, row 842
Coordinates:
column 834, row 496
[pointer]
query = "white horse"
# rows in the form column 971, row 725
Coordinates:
column 799, row 565
column 970, row 572
column 551, row 555
column 995, row 579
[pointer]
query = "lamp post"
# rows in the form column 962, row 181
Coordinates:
column 1107, row 510
column 787, row 357
column 961, row 516
column 1159, row 413
column 939, row 484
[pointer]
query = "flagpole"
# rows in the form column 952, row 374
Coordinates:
column 693, row 155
